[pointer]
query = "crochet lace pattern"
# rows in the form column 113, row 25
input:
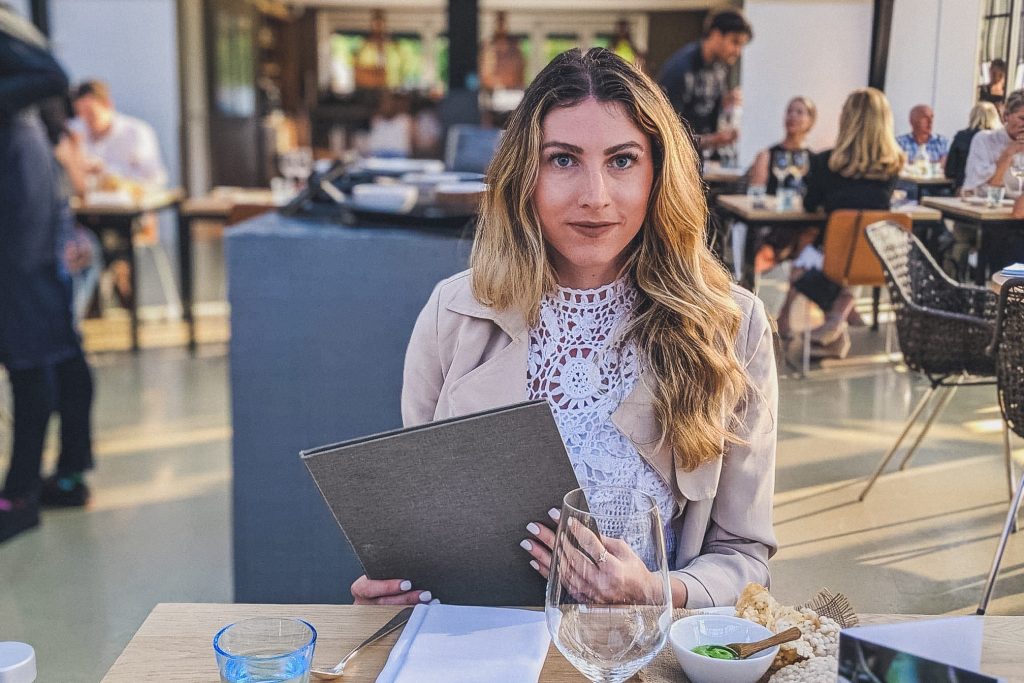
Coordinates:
column 579, row 364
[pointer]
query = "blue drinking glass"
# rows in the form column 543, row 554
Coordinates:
column 265, row 650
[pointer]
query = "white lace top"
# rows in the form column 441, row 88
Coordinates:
column 578, row 364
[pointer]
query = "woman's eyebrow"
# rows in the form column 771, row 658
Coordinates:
column 563, row 145
column 625, row 145
column 579, row 150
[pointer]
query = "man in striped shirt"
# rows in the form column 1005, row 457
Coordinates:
column 935, row 147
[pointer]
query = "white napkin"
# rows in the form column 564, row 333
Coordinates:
column 1017, row 269
column 456, row 644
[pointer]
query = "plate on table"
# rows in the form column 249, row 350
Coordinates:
column 399, row 167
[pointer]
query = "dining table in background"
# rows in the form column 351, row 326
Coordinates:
column 919, row 187
column 175, row 643
column 741, row 207
column 224, row 205
column 984, row 220
column 121, row 218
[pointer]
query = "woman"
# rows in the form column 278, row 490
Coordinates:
column 801, row 114
column 983, row 117
column 860, row 172
column 592, row 287
column 995, row 90
column 780, row 243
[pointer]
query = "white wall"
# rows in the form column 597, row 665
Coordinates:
column 817, row 48
column 23, row 7
column 933, row 59
column 131, row 44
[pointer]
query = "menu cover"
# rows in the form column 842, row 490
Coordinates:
column 446, row 504
column 926, row 650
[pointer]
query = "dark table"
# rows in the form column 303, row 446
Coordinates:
column 121, row 219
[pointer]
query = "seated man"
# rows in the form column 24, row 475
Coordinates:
column 920, row 138
column 122, row 152
column 989, row 163
column 119, row 145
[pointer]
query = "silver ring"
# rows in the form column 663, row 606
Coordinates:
column 603, row 557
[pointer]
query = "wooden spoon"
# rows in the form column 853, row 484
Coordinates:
column 744, row 650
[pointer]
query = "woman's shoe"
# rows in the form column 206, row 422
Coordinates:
column 17, row 515
column 839, row 348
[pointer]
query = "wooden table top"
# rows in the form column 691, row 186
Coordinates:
column 221, row 200
column 742, row 206
column 959, row 208
column 175, row 644
column 151, row 201
column 929, row 180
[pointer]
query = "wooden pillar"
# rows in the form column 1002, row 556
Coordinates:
column 881, row 31
column 463, row 41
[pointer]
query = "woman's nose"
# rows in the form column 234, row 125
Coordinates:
column 594, row 193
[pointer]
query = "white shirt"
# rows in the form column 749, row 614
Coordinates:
column 580, row 366
column 986, row 147
column 129, row 149
column 392, row 135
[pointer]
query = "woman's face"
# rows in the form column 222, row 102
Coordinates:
column 595, row 180
column 798, row 119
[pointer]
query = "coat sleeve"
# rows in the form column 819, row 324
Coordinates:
column 424, row 374
column 28, row 71
column 740, row 537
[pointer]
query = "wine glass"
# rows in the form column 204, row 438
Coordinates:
column 781, row 165
column 801, row 164
column 1017, row 171
column 608, row 633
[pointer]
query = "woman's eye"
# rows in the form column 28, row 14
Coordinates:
column 561, row 161
column 623, row 162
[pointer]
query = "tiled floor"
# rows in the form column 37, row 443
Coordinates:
column 159, row 527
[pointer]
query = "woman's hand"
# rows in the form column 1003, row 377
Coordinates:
column 607, row 571
column 387, row 592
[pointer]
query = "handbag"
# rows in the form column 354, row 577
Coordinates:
column 817, row 287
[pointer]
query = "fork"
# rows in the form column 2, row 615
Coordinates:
column 339, row 669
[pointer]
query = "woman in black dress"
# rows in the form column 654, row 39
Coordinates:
column 860, row 172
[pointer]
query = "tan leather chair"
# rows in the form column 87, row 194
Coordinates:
column 849, row 260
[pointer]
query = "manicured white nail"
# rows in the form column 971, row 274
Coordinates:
column 406, row 585
column 533, row 563
column 435, row 601
column 555, row 514
column 425, row 596
column 526, row 545
column 533, row 528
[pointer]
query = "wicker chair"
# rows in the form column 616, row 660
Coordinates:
column 944, row 328
column 1009, row 352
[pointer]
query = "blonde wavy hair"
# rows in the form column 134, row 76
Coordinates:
column 866, row 145
column 685, row 320
column 984, row 116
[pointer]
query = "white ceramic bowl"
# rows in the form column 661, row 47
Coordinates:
column 717, row 629
column 394, row 198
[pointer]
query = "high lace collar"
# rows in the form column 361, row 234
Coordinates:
column 614, row 292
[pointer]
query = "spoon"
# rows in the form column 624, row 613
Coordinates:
column 338, row 670
column 744, row 650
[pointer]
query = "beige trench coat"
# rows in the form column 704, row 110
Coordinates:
column 464, row 357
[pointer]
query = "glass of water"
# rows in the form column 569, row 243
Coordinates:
column 265, row 650
column 608, row 629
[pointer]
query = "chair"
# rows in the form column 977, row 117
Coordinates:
column 849, row 260
column 944, row 328
column 1008, row 348
column 470, row 148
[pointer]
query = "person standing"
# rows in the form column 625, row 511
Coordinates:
column 39, row 346
column 696, row 77
column 995, row 90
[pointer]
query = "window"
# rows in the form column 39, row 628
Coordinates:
column 405, row 66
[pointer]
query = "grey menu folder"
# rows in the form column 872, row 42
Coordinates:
column 446, row 504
